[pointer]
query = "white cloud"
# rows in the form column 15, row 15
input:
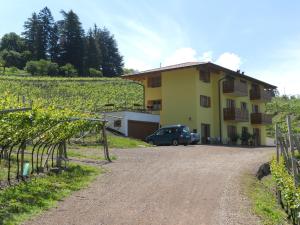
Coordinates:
column 206, row 56
column 181, row 55
column 136, row 64
column 229, row 60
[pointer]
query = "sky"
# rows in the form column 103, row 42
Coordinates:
column 261, row 38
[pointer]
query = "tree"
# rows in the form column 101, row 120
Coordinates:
column 12, row 42
column 112, row 61
column 129, row 71
column 11, row 59
column 54, row 48
column 46, row 26
column 33, row 37
column 71, row 40
column 92, row 50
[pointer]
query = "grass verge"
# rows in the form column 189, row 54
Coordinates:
column 20, row 202
column 263, row 200
column 125, row 142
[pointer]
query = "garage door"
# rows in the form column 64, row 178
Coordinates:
column 141, row 129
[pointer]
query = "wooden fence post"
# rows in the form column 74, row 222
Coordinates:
column 291, row 145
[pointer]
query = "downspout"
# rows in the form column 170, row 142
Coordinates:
column 220, row 109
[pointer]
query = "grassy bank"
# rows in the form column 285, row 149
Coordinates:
column 20, row 202
column 124, row 142
column 263, row 200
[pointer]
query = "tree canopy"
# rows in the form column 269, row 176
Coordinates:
column 63, row 42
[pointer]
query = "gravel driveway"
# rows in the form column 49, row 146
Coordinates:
column 190, row 185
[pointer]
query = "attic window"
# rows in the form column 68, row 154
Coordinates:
column 204, row 76
column 154, row 81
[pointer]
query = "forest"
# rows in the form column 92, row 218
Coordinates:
column 51, row 48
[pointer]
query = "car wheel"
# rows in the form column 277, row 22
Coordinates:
column 151, row 142
column 175, row 142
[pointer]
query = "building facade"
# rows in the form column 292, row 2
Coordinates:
column 216, row 102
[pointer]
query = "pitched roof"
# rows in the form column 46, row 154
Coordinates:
column 197, row 64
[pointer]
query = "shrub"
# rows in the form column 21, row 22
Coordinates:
column 53, row 69
column 68, row 70
column 285, row 183
column 42, row 67
column 32, row 67
column 95, row 73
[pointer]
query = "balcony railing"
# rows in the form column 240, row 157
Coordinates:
column 261, row 118
column 235, row 88
column 235, row 114
column 260, row 94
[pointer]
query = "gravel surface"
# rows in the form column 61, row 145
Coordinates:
column 186, row 185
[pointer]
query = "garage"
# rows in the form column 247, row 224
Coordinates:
column 133, row 124
column 141, row 129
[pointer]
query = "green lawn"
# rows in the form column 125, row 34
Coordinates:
column 21, row 202
column 263, row 199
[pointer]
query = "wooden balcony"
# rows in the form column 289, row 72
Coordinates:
column 235, row 88
column 235, row 114
column 261, row 118
column 261, row 95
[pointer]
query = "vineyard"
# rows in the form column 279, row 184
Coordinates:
column 39, row 116
column 83, row 94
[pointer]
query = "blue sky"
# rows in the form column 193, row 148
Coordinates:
column 261, row 38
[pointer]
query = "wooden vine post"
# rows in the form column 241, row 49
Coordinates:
column 105, row 144
column 277, row 142
column 59, row 154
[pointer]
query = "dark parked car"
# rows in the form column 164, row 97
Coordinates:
column 195, row 138
column 170, row 135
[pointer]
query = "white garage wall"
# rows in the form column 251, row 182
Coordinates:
column 124, row 116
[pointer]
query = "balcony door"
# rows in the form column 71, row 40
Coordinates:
column 205, row 133
column 230, row 103
column 256, row 133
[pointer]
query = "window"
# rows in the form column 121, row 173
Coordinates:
column 231, row 132
column 255, row 109
column 204, row 101
column 154, row 105
column 160, row 132
column 243, row 105
column 204, row 75
column 154, row 81
column 230, row 103
column 117, row 123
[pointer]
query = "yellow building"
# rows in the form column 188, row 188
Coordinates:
column 216, row 102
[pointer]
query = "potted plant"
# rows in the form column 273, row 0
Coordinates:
column 234, row 138
column 245, row 137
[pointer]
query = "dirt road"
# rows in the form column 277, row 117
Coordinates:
column 191, row 185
